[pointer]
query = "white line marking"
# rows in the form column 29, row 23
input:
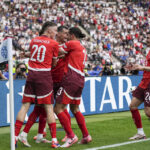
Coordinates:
column 117, row 145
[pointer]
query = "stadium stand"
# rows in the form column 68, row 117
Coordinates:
column 116, row 29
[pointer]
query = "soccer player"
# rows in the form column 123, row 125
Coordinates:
column 39, row 85
column 141, row 94
column 57, row 74
column 71, row 87
column 58, row 71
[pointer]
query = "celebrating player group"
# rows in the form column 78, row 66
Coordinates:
column 56, row 76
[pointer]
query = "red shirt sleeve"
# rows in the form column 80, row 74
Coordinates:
column 66, row 47
column 55, row 50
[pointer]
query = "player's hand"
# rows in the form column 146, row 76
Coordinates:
column 137, row 67
column 61, row 56
column 133, row 67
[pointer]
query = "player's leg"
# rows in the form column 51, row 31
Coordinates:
column 56, row 86
column 42, row 121
column 63, row 99
column 137, row 118
column 20, row 119
column 68, row 115
column 31, row 120
column 63, row 118
column 28, row 98
column 81, row 123
column 42, row 127
column 52, row 124
column 44, row 93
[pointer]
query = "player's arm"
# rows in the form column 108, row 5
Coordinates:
column 64, row 49
column 54, row 62
column 142, row 68
column 137, row 67
column 61, row 56
column 61, row 52
column 55, row 55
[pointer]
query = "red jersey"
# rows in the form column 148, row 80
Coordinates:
column 146, row 75
column 43, row 50
column 58, row 71
column 76, row 56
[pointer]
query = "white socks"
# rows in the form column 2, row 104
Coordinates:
column 39, row 136
column 24, row 134
column 141, row 131
column 54, row 139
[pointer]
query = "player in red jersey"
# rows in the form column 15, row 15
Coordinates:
column 141, row 94
column 72, row 86
column 39, row 85
column 58, row 71
column 57, row 74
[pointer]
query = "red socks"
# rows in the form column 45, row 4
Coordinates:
column 81, row 123
column 28, row 125
column 136, row 118
column 52, row 128
column 42, row 121
column 66, row 124
column 18, row 126
column 68, row 115
column 32, row 118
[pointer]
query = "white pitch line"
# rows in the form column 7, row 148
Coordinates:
column 117, row 145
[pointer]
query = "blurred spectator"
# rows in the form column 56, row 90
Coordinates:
column 116, row 28
column 107, row 70
column 2, row 77
column 21, row 70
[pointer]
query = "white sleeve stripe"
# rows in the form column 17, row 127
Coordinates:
column 65, row 51
column 54, row 57
column 65, row 46
column 61, row 49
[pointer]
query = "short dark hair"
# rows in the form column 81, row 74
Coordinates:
column 60, row 28
column 77, row 32
column 46, row 25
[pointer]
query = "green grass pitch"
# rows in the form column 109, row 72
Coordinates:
column 105, row 129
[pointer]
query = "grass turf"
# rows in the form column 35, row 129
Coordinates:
column 105, row 129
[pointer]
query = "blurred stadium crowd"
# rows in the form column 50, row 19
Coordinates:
column 116, row 29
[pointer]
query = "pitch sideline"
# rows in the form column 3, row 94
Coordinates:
column 117, row 145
